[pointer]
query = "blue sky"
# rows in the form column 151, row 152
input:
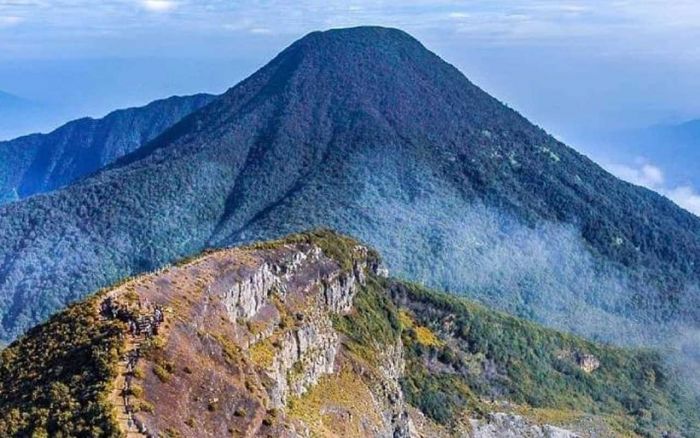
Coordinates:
column 631, row 61
column 577, row 68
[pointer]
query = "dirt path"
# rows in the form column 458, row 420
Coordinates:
column 116, row 396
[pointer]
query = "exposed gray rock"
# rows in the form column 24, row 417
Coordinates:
column 307, row 351
column 245, row 298
column 339, row 292
column 392, row 367
column 587, row 362
column 504, row 425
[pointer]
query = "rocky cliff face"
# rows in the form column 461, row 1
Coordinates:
column 249, row 333
column 266, row 323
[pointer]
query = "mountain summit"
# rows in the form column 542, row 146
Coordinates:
column 365, row 131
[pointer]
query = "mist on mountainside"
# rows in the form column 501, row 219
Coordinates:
column 544, row 272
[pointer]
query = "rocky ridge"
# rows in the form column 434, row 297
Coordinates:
column 305, row 337
column 267, row 314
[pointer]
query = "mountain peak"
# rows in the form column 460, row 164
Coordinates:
column 366, row 72
column 367, row 55
column 347, row 77
column 366, row 132
column 368, row 35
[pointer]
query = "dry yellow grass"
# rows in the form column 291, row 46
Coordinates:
column 262, row 353
column 339, row 405
column 549, row 416
column 405, row 319
column 426, row 337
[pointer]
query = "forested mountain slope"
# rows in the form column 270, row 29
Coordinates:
column 365, row 131
column 43, row 162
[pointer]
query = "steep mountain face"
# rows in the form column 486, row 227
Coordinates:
column 306, row 337
column 365, row 131
column 43, row 162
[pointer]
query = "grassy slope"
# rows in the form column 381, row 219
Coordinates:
column 633, row 389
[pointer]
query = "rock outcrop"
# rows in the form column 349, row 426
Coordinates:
column 587, row 362
column 246, row 297
column 503, row 425
column 252, row 331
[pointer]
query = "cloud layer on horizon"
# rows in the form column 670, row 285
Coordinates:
column 650, row 25
column 159, row 5
column 652, row 177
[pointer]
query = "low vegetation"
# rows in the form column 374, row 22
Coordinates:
column 460, row 357
column 373, row 325
column 347, row 393
column 337, row 246
column 54, row 381
column 262, row 353
column 533, row 367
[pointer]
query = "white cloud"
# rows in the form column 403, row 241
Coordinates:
column 645, row 174
column 9, row 20
column 652, row 177
column 459, row 15
column 159, row 5
column 686, row 197
column 260, row 30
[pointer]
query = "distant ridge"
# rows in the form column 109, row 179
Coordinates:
column 367, row 132
column 43, row 162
